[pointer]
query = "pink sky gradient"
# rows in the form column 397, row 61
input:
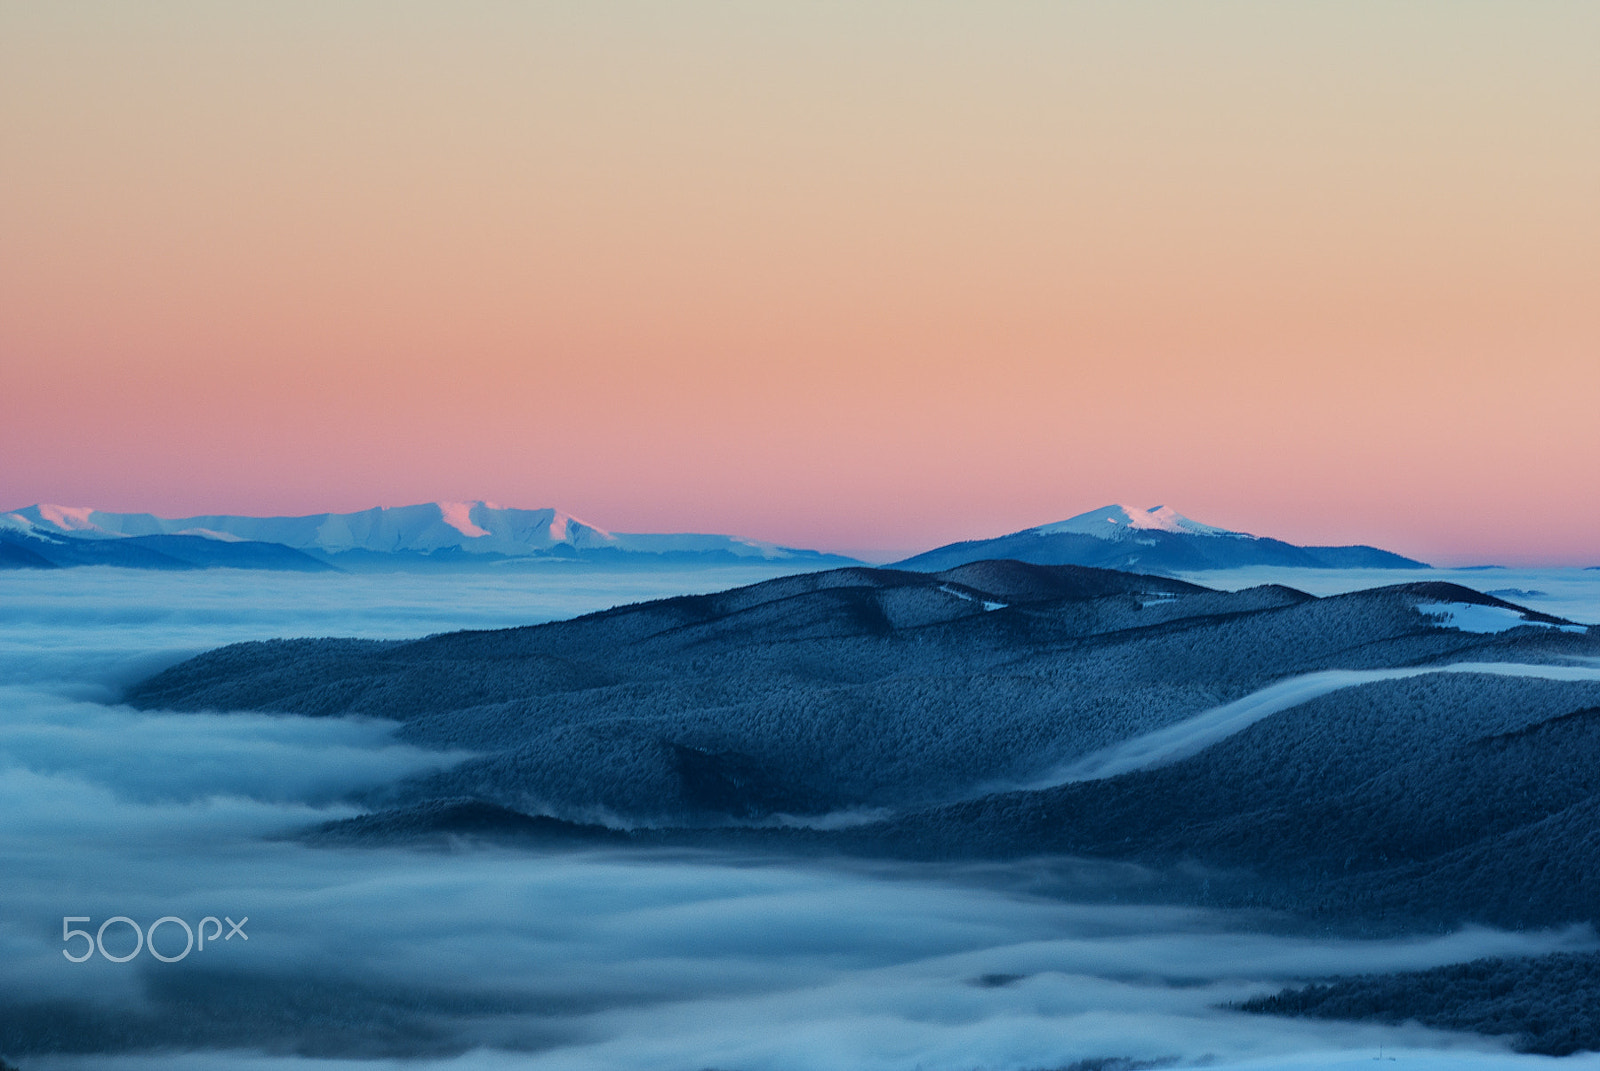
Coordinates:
column 844, row 277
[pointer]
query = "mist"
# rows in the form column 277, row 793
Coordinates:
column 479, row 957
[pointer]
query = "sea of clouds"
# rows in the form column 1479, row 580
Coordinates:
column 490, row 958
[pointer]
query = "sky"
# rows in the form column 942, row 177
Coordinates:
column 856, row 277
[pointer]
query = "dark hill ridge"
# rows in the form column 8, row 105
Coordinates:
column 849, row 689
column 1439, row 591
column 1018, row 581
column 17, row 554
column 1546, row 1003
column 909, row 700
column 165, row 552
column 445, row 821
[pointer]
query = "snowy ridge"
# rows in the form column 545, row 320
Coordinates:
column 57, row 520
column 458, row 515
column 475, row 527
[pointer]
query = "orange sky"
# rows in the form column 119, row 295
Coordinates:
column 851, row 277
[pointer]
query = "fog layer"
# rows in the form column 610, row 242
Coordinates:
column 486, row 958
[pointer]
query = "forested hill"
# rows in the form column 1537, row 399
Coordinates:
column 940, row 704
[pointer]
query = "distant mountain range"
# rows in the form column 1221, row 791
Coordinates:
column 467, row 534
column 448, row 534
column 1150, row 540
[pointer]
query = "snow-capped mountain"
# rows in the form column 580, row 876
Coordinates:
column 435, row 531
column 1158, row 539
column 1111, row 522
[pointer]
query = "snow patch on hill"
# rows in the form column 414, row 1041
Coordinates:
column 458, row 515
column 52, row 519
column 210, row 533
column 1472, row 617
column 71, row 518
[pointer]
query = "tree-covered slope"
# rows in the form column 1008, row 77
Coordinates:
column 859, row 690
column 1547, row 1004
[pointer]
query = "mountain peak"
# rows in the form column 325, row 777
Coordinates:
column 55, row 518
column 1115, row 521
column 1150, row 539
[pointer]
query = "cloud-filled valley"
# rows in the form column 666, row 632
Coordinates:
column 731, row 955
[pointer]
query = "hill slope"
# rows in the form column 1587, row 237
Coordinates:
column 898, row 712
